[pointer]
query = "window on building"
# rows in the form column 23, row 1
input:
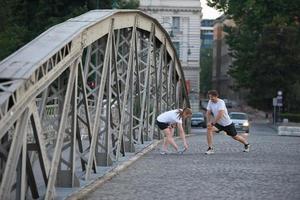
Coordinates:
column 207, row 41
column 176, row 24
column 177, row 47
column 206, row 37
column 207, row 23
column 166, row 20
column 206, row 32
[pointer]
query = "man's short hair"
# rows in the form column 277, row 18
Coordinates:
column 213, row 93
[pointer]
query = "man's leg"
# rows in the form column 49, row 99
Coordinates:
column 233, row 133
column 243, row 141
column 210, row 134
column 240, row 139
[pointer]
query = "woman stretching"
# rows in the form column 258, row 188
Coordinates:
column 167, row 121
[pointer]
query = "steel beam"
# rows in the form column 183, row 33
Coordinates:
column 87, row 100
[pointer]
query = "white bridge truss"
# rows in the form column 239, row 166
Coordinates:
column 82, row 95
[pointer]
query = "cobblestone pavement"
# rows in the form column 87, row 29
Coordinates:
column 270, row 171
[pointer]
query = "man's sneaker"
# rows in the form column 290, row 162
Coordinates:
column 181, row 151
column 247, row 148
column 210, row 150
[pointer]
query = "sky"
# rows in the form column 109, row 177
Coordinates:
column 208, row 12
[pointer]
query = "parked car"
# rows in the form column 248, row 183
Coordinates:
column 203, row 104
column 241, row 121
column 228, row 103
column 198, row 119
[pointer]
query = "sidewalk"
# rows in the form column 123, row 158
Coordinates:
column 282, row 128
column 106, row 173
column 269, row 171
column 286, row 128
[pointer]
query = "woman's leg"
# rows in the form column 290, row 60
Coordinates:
column 165, row 144
column 169, row 137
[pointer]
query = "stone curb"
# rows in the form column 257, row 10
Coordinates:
column 289, row 130
column 82, row 192
column 85, row 190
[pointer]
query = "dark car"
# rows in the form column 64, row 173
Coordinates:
column 228, row 103
column 198, row 119
column 241, row 121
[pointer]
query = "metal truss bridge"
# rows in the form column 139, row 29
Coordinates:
column 80, row 96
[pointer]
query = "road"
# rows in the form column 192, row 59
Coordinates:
column 270, row 171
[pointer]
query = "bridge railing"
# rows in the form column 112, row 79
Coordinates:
column 80, row 96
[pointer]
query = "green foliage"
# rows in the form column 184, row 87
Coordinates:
column 99, row 4
column 206, row 70
column 11, row 39
column 23, row 20
column 129, row 4
column 265, row 45
column 3, row 14
column 292, row 117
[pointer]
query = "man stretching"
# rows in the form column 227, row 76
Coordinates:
column 220, row 122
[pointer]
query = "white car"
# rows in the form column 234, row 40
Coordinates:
column 198, row 119
column 241, row 121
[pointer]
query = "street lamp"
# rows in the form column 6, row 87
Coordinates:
column 277, row 102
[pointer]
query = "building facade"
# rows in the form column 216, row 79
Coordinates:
column 221, row 80
column 207, row 33
column 222, row 61
column 182, row 20
column 206, row 56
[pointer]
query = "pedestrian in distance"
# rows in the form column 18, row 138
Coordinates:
column 220, row 122
column 169, row 120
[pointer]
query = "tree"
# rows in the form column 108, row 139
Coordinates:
column 129, row 4
column 99, row 4
column 23, row 20
column 206, row 70
column 265, row 46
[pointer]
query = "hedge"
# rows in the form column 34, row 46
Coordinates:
column 292, row 117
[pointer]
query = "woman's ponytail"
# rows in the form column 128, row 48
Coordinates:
column 186, row 110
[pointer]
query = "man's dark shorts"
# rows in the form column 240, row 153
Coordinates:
column 162, row 125
column 230, row 129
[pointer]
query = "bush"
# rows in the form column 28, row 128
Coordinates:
column 292, row 117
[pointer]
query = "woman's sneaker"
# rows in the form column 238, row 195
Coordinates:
column 247, row 148
column 163, row 152
column 181, row 151
column 210, row 150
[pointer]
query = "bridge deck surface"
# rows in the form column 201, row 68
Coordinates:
column 269, row 171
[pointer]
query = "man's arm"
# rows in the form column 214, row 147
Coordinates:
column 218, row 117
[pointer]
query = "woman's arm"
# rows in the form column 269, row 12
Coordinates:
column 182, row 134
